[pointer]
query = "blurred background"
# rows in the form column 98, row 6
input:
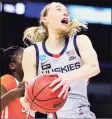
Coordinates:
column 17, row 15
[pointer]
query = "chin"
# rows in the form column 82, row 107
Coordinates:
column 64, row 30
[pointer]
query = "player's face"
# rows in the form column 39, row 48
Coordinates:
column 58, row 18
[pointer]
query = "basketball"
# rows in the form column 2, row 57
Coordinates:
column 39, row 95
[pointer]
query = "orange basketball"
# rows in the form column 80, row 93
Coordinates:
column 40, row 97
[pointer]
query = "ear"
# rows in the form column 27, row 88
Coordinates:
column 44, row 20
column 12, row 66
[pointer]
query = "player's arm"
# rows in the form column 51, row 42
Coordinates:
column 29, row 63
column 6, row 97
column 5, row 100
column 88, row 70
column 29, row 68
column 89, row 57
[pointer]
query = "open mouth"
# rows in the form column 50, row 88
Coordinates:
column 64, row 21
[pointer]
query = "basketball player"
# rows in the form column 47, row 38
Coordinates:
column 11, row 89
column 61, row 50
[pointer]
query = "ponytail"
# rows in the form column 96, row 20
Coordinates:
column 35, row 34
column 76, row 26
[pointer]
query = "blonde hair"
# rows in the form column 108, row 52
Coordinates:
column 39, row 33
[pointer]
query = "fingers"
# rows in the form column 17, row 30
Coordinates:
column 62, row 91
column 24, row 102
column 22, row 83
column 55, row 82
column 66, row 92
column 55, row 73
column 58, row 86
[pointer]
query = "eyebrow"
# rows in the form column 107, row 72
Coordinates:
column 65, row 8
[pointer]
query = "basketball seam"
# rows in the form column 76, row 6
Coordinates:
column 39, row 105
column 33, row 87
column 40, row 92
column 30, row 100
column 35, row 98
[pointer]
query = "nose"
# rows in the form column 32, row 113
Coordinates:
column 66, row 14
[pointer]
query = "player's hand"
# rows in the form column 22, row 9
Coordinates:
column 62, row 81
column 24, row 102
column 19, row 90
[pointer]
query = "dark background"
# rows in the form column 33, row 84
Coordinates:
column 100, row 87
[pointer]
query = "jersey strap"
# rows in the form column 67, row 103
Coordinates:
column 75, row 44
column 37, row 57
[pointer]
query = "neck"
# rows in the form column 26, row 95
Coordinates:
column 55, row 39
column 19, row 78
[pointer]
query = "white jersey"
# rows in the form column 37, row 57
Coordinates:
column 67, row 60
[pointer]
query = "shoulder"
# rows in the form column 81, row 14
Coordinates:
column 29, row 56
column 83, row 40
column 8, row 81
column 7, row 77
column 29, row 49
column 28, row 52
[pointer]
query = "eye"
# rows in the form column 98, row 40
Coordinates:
column 59, row 9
